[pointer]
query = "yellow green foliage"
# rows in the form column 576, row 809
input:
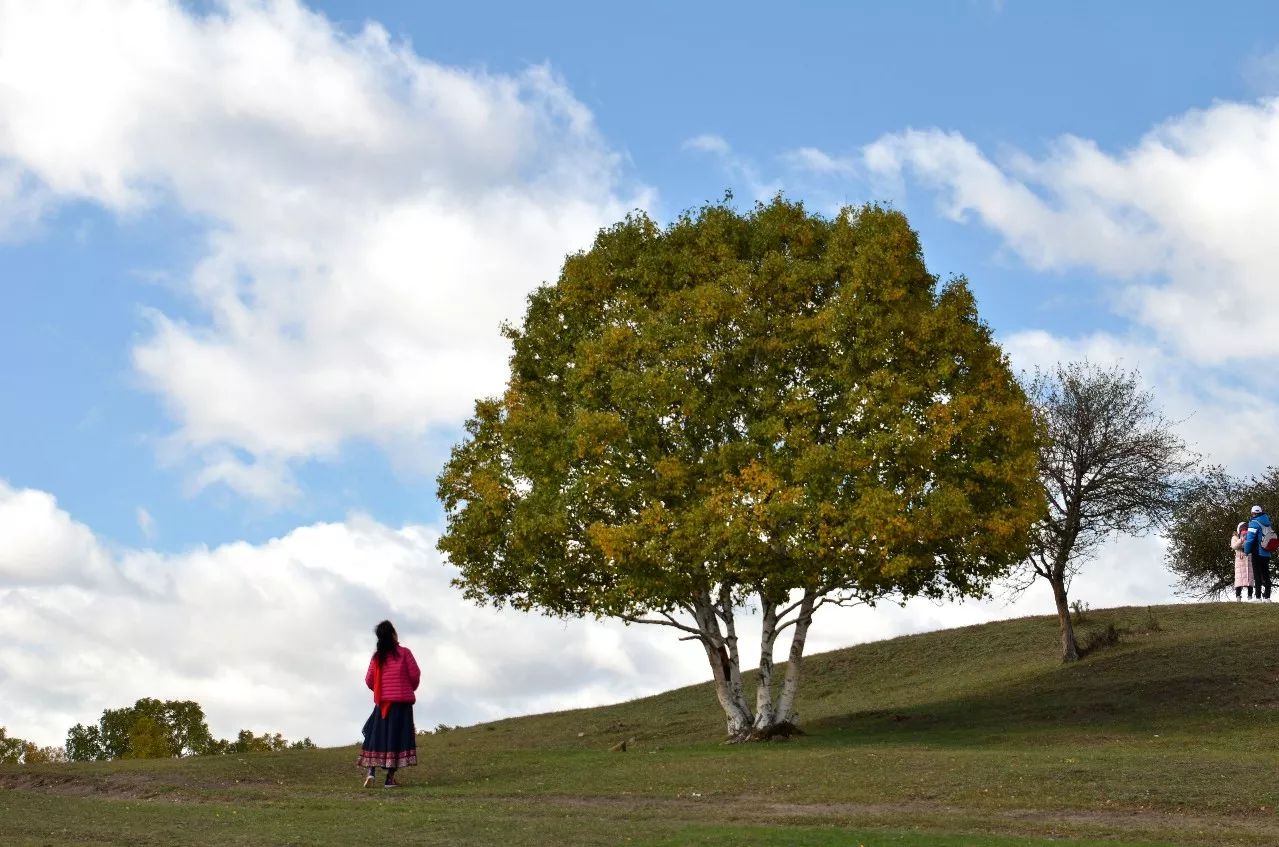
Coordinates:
column 769, row 401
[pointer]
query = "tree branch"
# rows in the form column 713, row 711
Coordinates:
column 668, row 622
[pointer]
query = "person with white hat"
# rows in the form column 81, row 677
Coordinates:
column 1257, row 545
column 1243, row 564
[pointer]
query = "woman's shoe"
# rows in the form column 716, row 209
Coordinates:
column 368, row 780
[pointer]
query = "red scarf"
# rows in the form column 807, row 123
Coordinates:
column 377, row 689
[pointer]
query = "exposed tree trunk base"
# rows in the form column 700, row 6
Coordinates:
column 783, row 731
column 1108, row 637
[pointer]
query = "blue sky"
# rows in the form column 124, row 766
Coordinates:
column 831, row 76
column 253, row 255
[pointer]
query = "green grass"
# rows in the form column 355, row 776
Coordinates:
column 975, row 737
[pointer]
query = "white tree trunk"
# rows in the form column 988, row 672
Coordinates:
column 717, row 631
column 765, row 715
column 735, row 684
column 786, row 705
column 724, row 669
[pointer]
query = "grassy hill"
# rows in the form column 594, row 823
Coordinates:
column 961, row 738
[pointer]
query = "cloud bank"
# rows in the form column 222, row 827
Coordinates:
column 276, row 636
column 371, row 217
column 1182, row 218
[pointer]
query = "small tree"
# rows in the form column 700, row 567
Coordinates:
column 1109, row 463
column 771, row 409
column 1198, row 538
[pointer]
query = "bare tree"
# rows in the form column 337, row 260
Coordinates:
column 1109, row 462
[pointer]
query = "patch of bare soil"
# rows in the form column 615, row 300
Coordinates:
column 120, row 785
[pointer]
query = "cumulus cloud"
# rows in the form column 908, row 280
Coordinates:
column 1221, row 415
column 276, row 636
column 372, row 215
column 1178, row 221
column 43, row 546
column 1182, row 218
column 709, row 143
column 815, row 161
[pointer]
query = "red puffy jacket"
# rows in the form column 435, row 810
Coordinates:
column 400, row 676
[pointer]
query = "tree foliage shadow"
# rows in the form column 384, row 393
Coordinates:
column 1128, row 688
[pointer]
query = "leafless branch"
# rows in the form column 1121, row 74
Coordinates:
column 670, row 621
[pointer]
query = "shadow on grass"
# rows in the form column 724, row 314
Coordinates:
column 1140, row 683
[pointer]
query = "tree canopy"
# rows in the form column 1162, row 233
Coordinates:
column 19, row 751
column 1198, row 536
column 770, row 407
column 155, row 729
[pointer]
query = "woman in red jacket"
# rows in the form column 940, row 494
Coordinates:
column 390, row 740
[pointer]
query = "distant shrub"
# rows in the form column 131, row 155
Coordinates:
column 1101, row 639
column 1152, row 622
column 247, row 742
column 1080, row 609
column 439, row 728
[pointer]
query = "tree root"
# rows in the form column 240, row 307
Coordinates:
column 783, row 731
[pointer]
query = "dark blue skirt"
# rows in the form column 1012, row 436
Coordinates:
column 389, row 742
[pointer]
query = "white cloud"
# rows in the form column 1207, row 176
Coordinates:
column 1221, row 415
column 267, row 480
column 817, row 162
column 276, row 636
column 709, row 143
column 738, row 168
column 1180, row 221
column 373, row 216
column 43, row 546
column 22, row 203
column 146, row 523
column 1261, row 71
column 1183, row 217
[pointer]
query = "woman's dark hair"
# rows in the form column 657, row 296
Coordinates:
column 386, row 641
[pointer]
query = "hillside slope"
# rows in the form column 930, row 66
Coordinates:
column 971, row 736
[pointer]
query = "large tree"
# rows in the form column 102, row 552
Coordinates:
column 770, row 409
column 1109, row 462
column 1207, row 515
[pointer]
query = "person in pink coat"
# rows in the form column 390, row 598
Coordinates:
column 390, row 739
column 1243, row 564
